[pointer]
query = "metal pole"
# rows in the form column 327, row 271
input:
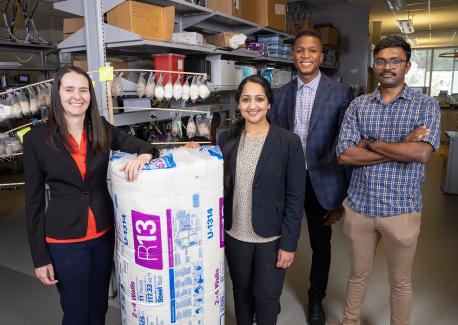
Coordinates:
column 431, row 72
column 95, row 46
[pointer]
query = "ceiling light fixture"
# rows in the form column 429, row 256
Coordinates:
column 449, row 55
column 396, row 5
column 406, row 25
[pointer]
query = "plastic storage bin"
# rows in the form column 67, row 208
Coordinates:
column 169, row 62
column 223, row 72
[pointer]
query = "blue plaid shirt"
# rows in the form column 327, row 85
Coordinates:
column 391, row 188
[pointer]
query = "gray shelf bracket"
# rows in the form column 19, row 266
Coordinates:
column 115, row 34
column 191, row 20
column 211, row 26
column 72, row 6
column 76, row 6
column 110, row 4
column 77, row 39
column 246, row 30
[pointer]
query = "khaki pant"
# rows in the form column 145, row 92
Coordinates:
column 399, row 235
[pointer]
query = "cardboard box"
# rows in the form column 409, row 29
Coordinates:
column 220, row 39
column 115, row 63
column 268, row 13
column 328, row 35
column 230, row 7
column 72, row 25
column 150, row 22
column 191, row 38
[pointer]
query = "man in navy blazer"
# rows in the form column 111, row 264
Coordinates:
column 313, row 106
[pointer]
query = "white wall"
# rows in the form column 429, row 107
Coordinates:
column 352, row 24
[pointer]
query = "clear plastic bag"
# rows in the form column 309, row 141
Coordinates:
column 168, row 89
column 24, row 103
column 16, row 107
column 177, row 89
column 117, row 89
column 141, row 86
column 150, row 86
column 176, row 130
column 48, row 98
column 33, row 100
column 191, row 127
column 2, row 148
column 41, row 100
column 6, row 109
column 12, row 145
column 185, row 92
column 159, row 91
column 194, row 90
column 41, row 95
column 204, row 91
column 203, row 126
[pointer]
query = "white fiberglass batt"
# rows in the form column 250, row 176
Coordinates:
column 170, row 238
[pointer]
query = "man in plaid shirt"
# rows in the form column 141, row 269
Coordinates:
column 388, row 135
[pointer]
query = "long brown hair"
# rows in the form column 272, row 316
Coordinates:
column 97, row 132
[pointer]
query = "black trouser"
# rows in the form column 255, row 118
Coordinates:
column 257, row 282
column 83, row 271
column 320, row 242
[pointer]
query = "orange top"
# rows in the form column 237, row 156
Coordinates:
column 78, row 153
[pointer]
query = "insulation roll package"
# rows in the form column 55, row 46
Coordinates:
column 170, row 238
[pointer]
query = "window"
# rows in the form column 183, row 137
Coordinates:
column 442, row 77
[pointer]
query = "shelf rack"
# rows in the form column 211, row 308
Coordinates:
column 98, row 37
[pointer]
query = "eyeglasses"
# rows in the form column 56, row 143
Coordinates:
column 394, row 63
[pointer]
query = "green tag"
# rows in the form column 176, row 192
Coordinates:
column 21, row 133
column 93, row 83
column 105, row 73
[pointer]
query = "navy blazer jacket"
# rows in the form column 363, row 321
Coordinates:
column 278, row 188
column 328, row 178
column 71, row 196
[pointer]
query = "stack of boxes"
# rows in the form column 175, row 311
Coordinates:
column 275, row 46
column 267, row 13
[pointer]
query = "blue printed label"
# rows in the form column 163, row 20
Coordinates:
column 165, row 162
column 215, row 151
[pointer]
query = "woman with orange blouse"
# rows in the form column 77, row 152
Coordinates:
column 72, row 240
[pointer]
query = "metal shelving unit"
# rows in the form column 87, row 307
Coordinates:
column 32, row 57
column 97, row 38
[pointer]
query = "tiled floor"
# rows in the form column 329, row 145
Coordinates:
column 23, row 300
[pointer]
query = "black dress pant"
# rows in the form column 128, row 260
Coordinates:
column 320, row 242
column 83, row 271
column 257, row 282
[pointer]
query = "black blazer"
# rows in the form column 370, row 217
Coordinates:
column 278, row 188
column 71, row 196
column 328, row 178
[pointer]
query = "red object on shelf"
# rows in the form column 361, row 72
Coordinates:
column 168, row 62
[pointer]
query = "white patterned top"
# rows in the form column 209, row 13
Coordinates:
column 248, row 154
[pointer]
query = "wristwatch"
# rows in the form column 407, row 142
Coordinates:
column 370, row 139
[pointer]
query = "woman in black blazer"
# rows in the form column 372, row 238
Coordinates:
column 72, row 240
column 264, row 186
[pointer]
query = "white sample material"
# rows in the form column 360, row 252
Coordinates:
column 237, row 41
column 170, row 238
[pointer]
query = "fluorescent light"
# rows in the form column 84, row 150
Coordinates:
column 406, row 26
column 396, row 5
column 10, row 65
